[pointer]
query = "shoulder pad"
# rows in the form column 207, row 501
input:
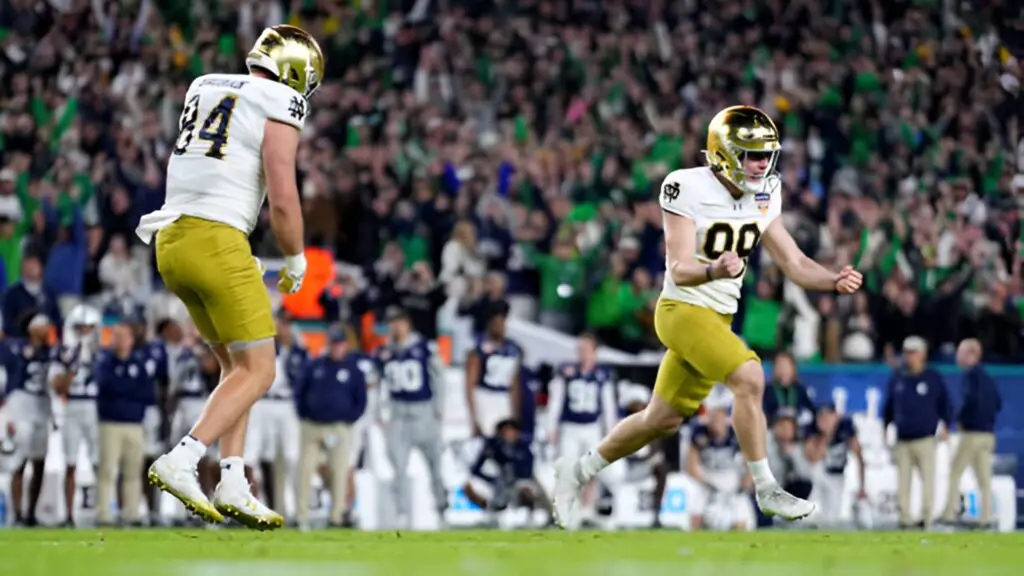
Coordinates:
column 671, row 189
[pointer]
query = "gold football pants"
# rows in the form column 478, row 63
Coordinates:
column 702, row 350
column 210, row 266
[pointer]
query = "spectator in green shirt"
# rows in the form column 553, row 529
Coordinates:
column 562, row 276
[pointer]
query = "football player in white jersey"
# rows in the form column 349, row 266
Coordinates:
column 238, row 144
column 714, row 216
column 70, row 376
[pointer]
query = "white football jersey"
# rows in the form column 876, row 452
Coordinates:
column 723, row 224
column 216, row 169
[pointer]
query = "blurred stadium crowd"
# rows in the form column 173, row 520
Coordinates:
column 525, row 138
column 461, row 153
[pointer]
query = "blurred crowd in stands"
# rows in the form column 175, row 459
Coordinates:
column 465, row 151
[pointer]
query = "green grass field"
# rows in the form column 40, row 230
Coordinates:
column 287, row 553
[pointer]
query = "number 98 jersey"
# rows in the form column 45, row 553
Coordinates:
column 215, row 171
column 723, row 224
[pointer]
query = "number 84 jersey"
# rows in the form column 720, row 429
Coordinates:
column 216, row 168
column 723, row 224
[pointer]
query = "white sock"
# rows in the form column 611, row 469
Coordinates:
column 232, row 470
column 190, row 450
column 590, row 465
column 762, row 474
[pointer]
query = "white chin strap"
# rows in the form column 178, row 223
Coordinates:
column 264, row 63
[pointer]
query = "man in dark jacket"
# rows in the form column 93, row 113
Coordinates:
column 26, row 295
column 916, row 402
column 977, row 421
column 124, row 383
column 330, row 398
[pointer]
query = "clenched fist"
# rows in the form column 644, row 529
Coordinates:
column 290, row 277
column 728, row 265
column 849, row 280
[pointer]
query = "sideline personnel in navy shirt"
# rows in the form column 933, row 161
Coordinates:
column 917, row 401
column 503, row 472
column 124, row 390
column 330, row 397
column 977, row 422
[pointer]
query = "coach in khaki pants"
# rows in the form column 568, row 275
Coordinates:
column 124, row 390
column 977, row 419
column 330, row 398
column 916, row 402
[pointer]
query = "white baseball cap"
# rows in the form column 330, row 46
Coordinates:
column 915, row 344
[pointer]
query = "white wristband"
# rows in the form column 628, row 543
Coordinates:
column 296, row 263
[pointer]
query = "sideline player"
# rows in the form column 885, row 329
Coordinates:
column 412, row 410
column 714, row 463
column 493, row 374
column 239, row 133
column 29, row 410
column 581, row 408
column 71, row 376
column 830, row 440
column 714, row 217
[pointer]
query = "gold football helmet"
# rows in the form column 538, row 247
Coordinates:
column 739, row 133
column 291, row 56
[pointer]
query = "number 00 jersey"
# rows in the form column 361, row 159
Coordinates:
column 723, row 224
column 215, row 171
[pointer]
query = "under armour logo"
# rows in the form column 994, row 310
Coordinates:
column 297, row 108
column 670, row 191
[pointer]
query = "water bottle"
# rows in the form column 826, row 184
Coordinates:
column 3, row 509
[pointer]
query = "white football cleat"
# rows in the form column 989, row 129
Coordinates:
column 565, row 500
column 774, row 501
column 236, row 501
column 182, row 481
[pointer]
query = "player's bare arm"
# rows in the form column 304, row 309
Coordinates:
column 859, row 455
column 280, row 147
column 680, row 246
column 693, row 465
column 472, row 375
column 801, row 269
column 516, row 394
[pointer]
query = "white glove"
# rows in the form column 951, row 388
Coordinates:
column 290, row 277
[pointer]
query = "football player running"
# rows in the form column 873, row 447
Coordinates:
column 714, row 217
column 238, row 144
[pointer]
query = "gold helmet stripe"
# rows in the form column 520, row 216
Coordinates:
column 291, row 55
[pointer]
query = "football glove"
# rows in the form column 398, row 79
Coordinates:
column 289, row 279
